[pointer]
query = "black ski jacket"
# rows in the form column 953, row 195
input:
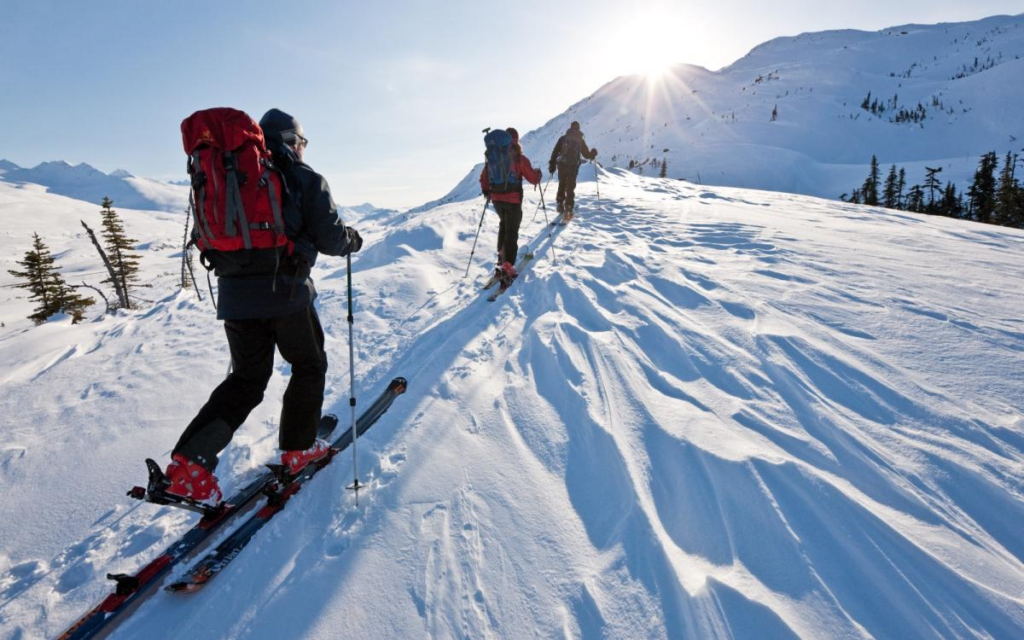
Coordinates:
column 267, row 285
column 563, row 157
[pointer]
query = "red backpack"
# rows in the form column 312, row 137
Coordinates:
column 237, row 193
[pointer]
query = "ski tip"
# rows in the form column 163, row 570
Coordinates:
column 398, row 386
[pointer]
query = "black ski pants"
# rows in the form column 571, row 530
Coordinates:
column 300, row 339
column 567, row 174
column 511, row 216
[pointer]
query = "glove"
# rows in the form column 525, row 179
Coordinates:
column 593, row 153
column 486, row 194
column 355, row 240
column 540, row 174
column 551, row 168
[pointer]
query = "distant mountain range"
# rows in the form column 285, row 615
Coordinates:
column 914, row 95
column 87, row 183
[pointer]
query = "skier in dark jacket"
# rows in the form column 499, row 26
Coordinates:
column 268, row 307
column 509, row 205
column 566, row 157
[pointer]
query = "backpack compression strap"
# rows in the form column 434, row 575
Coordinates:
column 275, row 206
column 202, row 226
column 234, row 214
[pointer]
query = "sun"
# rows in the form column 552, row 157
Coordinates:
column 648, row 44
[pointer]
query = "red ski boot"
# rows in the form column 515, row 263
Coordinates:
column 508, row 274
column 296, row 461
column 193, row 481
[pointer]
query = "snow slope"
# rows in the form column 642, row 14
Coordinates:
column 702, row 412
column 716, row 128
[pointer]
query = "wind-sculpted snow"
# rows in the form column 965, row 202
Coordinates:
column 700, row 412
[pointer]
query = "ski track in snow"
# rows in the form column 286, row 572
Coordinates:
column 701, row 412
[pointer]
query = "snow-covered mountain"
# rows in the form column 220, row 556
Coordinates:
column 716, row 127
column 702, row 412
column 85, row 182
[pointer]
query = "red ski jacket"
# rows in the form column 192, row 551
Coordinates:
column 526, row 170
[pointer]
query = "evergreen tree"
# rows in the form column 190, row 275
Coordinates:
column 931, row 182
column 915, row 199
column 73, row 304
column 46, row 286
column 982, row 191
column 890, row 196
column 950, row 204
column 1008, row 195
column 870, row 189
column 119, row 247
column 664, row 168
column 901, row 184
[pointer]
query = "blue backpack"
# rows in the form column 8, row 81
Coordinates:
column 502, row 162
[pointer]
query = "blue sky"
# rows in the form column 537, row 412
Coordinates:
column 393, row 95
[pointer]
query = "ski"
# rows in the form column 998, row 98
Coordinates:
column 133, row 590
column 519, row 269
column 561, row 221
column 493, row 280
column 278, row 494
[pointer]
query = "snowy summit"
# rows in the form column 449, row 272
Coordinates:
column 944, row 95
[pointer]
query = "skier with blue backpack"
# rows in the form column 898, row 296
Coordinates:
column 502, row 182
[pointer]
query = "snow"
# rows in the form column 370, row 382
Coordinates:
column 717, row 129
column 84, row 182
column 702, row 411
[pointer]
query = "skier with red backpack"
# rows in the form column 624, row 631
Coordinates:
column 566, row 157
column 502, row 182
column 261, row 218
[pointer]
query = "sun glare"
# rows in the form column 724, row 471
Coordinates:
column 649, row 45
column 655, row 72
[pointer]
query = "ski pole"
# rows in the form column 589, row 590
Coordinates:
column 352, row 384
column 478, row 227
column 597, row 182
column 542, row 190
column 554, row 257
